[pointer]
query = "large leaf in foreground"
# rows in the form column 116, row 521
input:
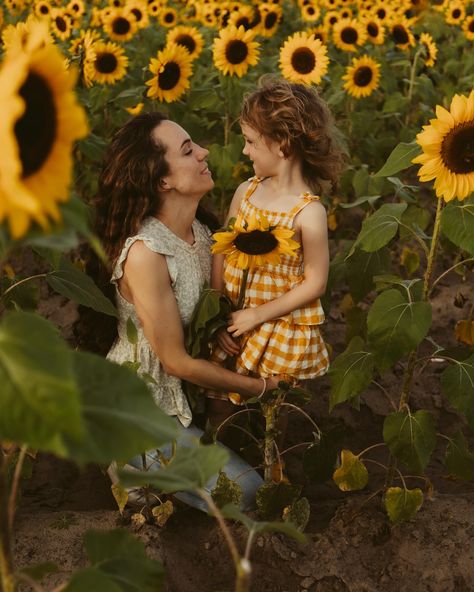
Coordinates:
column 400, row 158
column 379, row 229
column 396, row 324
column 190, row 470
column 39, row 399
column 119, row 413
column 411, row 437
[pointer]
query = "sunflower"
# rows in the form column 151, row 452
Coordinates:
column 310, row 13
column 172, row 68
column 42, row 8
column 188, row 37
column 271, row 16
column 448, row 149
column 362, row 77
column 235, row 50
column 374, row 29
column 400, row 33
column 168, row 17
column 331, row 18
column 76, row 7
column 154, row 8
column 83, row 42
column 303, row 59
column 135, row 110
column 41, row 121
column 319, row 33
column 255, row 243
column 455, row 12
column 244, row 17
column 468, row 27
column 383, row 12
column 139, row 10
column 106, row 65
column 430, row 48
column 15, row 6
column 348, row 34
column 60, row 24
column 119, row 24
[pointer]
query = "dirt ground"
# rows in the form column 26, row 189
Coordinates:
column 351, row 545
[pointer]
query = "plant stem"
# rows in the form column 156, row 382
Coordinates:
column 14, row 486
column 6, row 559
column 440, row 277
column 269, row 450
column 308, row 417
column 24, row 280
column 240, row 302
column 412, row 83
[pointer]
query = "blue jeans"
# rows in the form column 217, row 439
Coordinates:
column 236, row 469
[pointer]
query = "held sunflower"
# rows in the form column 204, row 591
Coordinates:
column 448, row 149
column 172, row 68
column 255, row 244
column 303, row 59
column 235, row 51
column 362, row 77
column 42, row 119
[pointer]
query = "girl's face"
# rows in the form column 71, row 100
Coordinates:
column 189, row 174
column 265, row 154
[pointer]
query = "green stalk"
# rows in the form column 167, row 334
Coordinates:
column 269, row 448
column 6, row 558
column 241, row 300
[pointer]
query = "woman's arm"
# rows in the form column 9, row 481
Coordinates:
column 312, row 224
column 146, row 283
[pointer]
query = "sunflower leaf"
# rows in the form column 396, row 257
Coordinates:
column 459, row 460
column 402, row 504
column 457, row 223
column 457, row 382
column 399, row 159
column 379, row 229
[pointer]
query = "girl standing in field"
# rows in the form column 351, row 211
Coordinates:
column 289, row 138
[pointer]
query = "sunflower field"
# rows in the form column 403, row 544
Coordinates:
column 398, row 77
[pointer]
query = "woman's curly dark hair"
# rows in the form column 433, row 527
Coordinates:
column 128, row 193
column 299, row 120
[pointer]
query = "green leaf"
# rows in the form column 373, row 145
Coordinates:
column 351, row 372
column 76, row 285
column 93, row 147
column 402, row 504
column 400, row 159
column 92, row 580
column 457, row 223
column 320, row 458
column 361, row 267
column 459, row 460
column 231, row 512
column 360, row 181
column 411, row 438
column 415, row 218
column 272, row 498
column 396, row 325
column 132, row 333
column 190, row 469
column 352, row 475
column 40, row 570
column 226, row 491
column 457, row 382
column 119, row 413
column 298, row 513
column 370, row 199
column 379, row 229
column 39, row 398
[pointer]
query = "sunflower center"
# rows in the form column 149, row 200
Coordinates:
column 471, row 26
column 169, row 17
column 244, row 22
column 457, row 149
column 381, row 13
column 35, row 131
column 186, row 41
column 349, row 35
column 363, row 76
column 137, row 13
column 121, row 26
column 400, row 35
column 456, row 13
column 236, row 51
column 270, row 20
column 170, row 76
column 106, row 63
column 372, row 29
column 303, row 60
column 61, row 24
column 256, row 242
column 44, row 9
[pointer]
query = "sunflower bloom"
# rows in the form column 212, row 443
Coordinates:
column 188, row 37
column 256, row 244
column 362, row 77
column 172, row 68
column 430, row 48
column 448, row 149
column 41, row 121
column 105, row 64
column 468, row 27
column 235, row 50
column 348, row 35
column 303, row 59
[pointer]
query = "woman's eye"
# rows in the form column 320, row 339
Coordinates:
column 190, row 151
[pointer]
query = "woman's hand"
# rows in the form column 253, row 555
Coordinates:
column 243, row 321
column 227, row 343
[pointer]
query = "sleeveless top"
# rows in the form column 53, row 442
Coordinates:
column 189, row 267
column 291, row 344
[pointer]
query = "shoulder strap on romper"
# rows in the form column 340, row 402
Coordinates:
column 305, row 200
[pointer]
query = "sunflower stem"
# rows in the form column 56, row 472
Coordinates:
column 6, row 559
column 243, row 286
column 412, row 83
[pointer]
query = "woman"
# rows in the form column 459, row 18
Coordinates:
column 153, row 178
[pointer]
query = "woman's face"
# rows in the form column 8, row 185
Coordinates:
column 189, row 174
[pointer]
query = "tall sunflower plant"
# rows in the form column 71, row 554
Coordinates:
column 389, row 315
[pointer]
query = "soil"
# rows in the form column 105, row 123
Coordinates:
column 352, row 547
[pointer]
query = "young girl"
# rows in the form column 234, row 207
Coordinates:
column 288, row 132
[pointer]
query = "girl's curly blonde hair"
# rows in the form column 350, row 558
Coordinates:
column 298, row 119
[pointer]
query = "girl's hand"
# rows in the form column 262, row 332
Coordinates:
column 227, row 343
column 243, row 321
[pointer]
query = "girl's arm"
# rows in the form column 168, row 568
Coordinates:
column 217, row 270
column 146, row 283
column 312, row 224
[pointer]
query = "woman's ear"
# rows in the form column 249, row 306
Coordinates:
column 164, row 185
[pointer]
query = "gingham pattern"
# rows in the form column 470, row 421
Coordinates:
column 289, row 345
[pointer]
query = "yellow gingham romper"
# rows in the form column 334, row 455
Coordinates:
column 291, row 344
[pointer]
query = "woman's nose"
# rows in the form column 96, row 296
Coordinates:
column 203, row 152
